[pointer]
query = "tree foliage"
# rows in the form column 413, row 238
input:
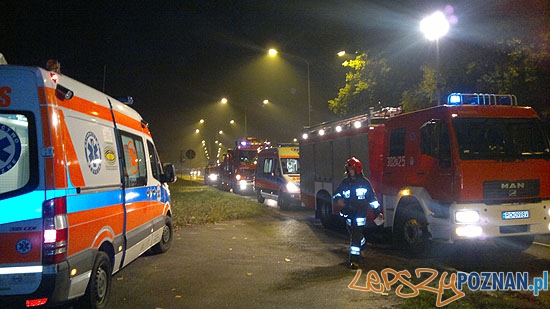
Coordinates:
column 365, row 84
column 505, row 66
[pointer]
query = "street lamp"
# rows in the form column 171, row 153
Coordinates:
column 435, row 27
column 272, row 53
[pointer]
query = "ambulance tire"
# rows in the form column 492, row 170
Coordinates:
column 411, row 232
column 166, row 240
column 97, row 292
column 259, row 196
column 283, row 202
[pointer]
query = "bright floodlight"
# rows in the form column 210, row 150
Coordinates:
column 434, row 26
column 272, row 52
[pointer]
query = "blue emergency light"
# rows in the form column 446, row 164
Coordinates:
column 481, row 99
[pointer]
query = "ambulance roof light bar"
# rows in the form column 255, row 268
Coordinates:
column 481, row 99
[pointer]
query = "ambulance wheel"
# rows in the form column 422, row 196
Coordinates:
column 97, row 292
column 259, row 196
column 166, row 240
column 514, row 243
column 411, row 232
column 283, row 202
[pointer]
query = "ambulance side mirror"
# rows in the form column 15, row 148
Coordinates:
column 169, row 173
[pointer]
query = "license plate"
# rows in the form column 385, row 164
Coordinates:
column 510, row 215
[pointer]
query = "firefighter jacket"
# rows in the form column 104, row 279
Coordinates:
column 359, row 197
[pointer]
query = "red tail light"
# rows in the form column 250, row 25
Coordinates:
column 54, row 213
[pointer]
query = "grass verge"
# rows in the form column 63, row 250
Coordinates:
column 194, row 203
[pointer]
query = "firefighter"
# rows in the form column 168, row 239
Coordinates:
column 360, row 207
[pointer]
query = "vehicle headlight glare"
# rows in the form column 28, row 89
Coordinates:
column 467, row 216
column 292, row 188
column 469, row 231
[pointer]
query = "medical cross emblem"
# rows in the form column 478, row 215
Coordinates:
column 10, row 148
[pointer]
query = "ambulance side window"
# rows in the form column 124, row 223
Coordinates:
column 135, row 168
column 18, row 154
column 268, row 166
column 154, row 160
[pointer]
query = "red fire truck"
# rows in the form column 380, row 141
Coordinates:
column 476, row 168
column 236, row 171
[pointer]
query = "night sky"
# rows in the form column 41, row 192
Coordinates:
column 177, row 59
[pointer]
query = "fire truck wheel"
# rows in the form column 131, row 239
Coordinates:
column 324, row 209
column 97, row 292
column 166, row 239
column 411, row 232
column 259, row 196
column 514, row 243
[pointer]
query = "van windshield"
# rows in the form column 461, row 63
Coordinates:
column 290, row 165
column 16, row 153
column 501, row 139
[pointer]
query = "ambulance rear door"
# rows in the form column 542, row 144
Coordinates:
column 21, row 182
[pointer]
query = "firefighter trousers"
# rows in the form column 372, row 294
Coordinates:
column 356, row 238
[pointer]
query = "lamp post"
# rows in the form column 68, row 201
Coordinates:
column 272, row 53
column 435, row 27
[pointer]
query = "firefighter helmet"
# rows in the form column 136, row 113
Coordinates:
column 354, row 163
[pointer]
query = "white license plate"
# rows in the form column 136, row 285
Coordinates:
column 510, row 215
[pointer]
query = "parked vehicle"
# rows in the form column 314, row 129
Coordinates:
column 277, row 175
column 211, row 174
column 236, row 171
column 83, row 192
column 474, row 169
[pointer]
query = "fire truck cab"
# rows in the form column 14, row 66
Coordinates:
column 236, row 171
column 473, row 169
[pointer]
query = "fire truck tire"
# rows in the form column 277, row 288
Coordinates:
column 325, row 214
column 259, row 196
column 514, row 243
column 411, row 232
column 166, row 240
column 97, row 292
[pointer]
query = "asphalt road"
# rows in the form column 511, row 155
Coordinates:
column 287, row 260
column 283, row 261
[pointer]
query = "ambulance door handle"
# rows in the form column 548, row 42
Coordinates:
column 148, row 193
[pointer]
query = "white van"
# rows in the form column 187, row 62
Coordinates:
column 277, row 176
column 82, row 190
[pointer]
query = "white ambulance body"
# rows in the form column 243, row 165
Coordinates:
column 277, row 176
column 82, row 190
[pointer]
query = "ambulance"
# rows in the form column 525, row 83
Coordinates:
column 82, row 190
column 277, row 175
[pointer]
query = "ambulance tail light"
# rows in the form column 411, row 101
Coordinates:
column 36, row 302
column 55, row 231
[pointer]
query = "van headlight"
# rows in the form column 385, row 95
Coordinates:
column 466, row 216
column 292, row 188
